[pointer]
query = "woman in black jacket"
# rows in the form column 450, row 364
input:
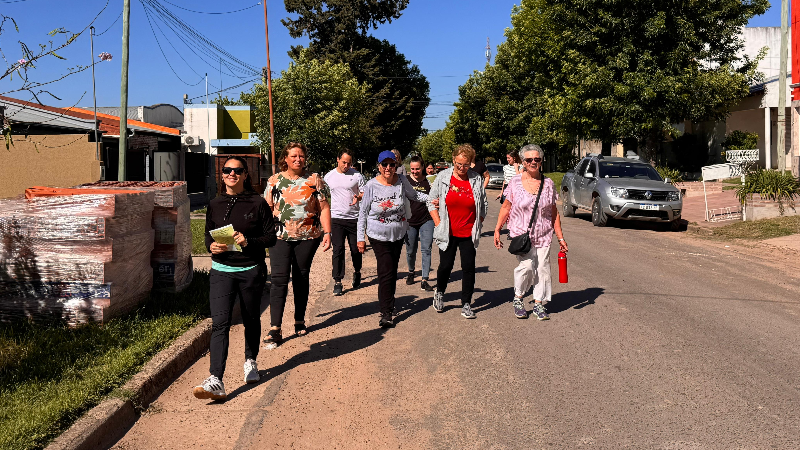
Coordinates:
column 235, row 272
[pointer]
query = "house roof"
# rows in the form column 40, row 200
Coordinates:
column 23, row 111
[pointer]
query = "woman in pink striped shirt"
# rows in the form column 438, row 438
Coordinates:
column 534, row 267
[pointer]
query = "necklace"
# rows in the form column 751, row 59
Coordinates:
column 291, row 177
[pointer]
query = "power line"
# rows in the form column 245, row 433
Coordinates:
column 115, row 22
column 226, row 89
column 165, row 56
column 215, row 13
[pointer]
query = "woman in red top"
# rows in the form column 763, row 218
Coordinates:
column 462, row 208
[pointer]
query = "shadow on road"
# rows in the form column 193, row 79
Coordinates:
column 634, row 224
column 563, row 301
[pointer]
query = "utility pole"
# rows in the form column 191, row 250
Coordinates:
column 123, row 103
column 782, row 86
column 94, row 96
column 488, row 52
column 269, row 92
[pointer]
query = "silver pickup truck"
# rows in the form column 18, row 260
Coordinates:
column 620, row 188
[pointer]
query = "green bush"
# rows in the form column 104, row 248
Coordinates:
column 741, row 140
column 769, row 184
column 673, row 174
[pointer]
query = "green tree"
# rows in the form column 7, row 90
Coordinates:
column 338, row 32
column 609, row 70
column 318, row 103
column 437, row 145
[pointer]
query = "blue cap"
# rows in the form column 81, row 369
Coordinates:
column 386, row 154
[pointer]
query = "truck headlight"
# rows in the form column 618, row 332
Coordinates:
column 673, row 196
column 619, row 192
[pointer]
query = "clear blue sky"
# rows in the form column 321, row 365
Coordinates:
column 445, row 38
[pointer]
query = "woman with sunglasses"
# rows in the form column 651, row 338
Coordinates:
column 458, row 222
column 384, row 219
column 236, row 272
column 533, row 268
column 299, row 201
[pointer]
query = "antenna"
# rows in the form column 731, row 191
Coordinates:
column 488, row 52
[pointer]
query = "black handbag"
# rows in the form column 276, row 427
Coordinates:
column 521, row 245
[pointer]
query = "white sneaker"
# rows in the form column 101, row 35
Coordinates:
column 251, row 372
column 212, row 388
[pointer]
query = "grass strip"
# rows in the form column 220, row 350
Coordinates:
column 50, row 374
column 556, row 177
column 198, row 237
column 758, row 230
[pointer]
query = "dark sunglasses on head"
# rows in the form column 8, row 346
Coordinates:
column 236, row 170
column 389, row 164
column 530, row 160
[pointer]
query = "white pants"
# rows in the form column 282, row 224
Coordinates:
column 534, row 270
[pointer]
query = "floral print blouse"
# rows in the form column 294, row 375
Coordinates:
column 296, row 205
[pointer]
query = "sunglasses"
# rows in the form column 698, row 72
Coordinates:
column 236, row 170
column 530, row 160
column 391, row 164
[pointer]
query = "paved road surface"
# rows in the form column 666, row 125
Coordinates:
column 658, row 341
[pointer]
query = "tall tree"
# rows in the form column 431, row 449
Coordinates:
column 338, row 32
column 318, row 103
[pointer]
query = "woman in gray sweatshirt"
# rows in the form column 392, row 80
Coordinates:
column 383, row 217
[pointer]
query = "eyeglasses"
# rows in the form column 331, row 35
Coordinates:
column 237, row 170
column 462, row 166
column 390, row 164
column 530, row 160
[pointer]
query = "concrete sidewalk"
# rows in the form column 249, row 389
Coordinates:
column 792, row 242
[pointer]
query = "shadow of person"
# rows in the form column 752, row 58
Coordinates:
column 563, row 301
column 318, row 351
column 492, row 299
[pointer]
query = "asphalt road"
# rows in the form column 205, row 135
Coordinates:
column 658, row 341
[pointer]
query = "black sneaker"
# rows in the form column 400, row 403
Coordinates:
column 356, row 280
column 425, row 286
column 410, row 279
column 338, row 288
column 386, row 321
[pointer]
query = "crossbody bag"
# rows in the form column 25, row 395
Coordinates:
column 521, row 245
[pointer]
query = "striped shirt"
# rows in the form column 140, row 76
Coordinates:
column 508, row 172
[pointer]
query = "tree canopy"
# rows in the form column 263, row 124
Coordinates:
column 318, row 103
column 608, row 70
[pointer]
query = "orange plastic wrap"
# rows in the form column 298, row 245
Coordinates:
column 172, row 253
column 79, row 257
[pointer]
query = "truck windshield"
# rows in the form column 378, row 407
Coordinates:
column 610, row 169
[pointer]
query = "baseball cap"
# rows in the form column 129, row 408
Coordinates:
column 386, row 154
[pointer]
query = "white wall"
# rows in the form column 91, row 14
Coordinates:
column 756, row 38
column 196, row 119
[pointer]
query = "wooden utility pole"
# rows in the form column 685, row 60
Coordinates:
column 269, row 92
column 94, row 97
column 123, row 101
column 782, row 86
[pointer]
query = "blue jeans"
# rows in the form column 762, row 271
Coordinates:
column 414, row 235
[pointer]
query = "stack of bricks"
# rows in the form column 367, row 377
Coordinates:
column 73, row 256
column 172, row 253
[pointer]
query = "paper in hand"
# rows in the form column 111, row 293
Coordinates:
column 224, row 235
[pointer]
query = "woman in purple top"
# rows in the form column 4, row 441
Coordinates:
column 534, row 267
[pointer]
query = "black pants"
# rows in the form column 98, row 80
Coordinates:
column 446, row 260
column 388, row 256
column 290, row 258
column 342, row 228
column 225, row 286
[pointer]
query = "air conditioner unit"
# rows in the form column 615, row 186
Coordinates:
column 190, row 140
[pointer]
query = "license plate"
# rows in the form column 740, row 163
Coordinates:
column 646, row 207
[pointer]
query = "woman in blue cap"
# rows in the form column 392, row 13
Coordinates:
column 383, row 217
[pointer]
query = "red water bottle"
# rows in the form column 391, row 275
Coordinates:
column 562, row 268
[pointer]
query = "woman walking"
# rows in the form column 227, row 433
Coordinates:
column 383, row 218
column 236, row 272
column 420, row 227
column 462, row 208
column 346, row 185
column 513, row 167
column 521, row 197
column 299, row 201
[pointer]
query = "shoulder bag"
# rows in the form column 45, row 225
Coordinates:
column 521, row 245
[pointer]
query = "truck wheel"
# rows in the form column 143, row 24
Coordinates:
column 567, row 209
column 599, row 217
column 675, row 225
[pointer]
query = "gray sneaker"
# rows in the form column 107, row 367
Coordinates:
column 519, row 309
column 466, row 311
column 540, row 312
column 438, row 300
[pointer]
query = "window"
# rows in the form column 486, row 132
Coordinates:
column 592, row 168
column 582, row 167
column 628, row 170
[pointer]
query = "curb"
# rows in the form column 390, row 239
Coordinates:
column 107, row 422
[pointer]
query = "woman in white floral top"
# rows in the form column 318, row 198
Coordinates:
column 299, row 202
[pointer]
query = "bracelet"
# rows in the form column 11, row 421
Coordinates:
column 560, row 239
column 327, row 232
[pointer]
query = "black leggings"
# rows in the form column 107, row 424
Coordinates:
column 387, row 254
column 341, row 229
column 285, row 258
column 446, row 260
column 225, row 286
